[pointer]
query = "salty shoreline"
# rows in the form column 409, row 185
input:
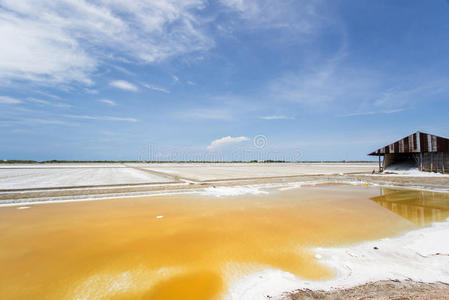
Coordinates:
column 420, row 255
column 12, row 197
column 385, row 289
column 15, row 198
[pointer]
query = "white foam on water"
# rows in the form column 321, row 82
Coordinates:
column 23, row 207
column 232, row 191
column 297, row 185
column 291, row 186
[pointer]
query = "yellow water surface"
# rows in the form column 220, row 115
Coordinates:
column 181, row 246
column 420, row 207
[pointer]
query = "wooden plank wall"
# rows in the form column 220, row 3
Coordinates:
column 436, row 162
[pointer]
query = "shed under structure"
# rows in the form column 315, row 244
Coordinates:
column 424, row 151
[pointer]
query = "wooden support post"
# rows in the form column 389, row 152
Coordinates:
column 421, row 163
column 443, row 162
column 437, row 163
column 380, row 168
column 431, row 161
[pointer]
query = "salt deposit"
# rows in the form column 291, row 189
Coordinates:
column 419, row 255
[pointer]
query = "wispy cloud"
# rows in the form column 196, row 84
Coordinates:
column 124, row 85
column 175, row 78
column 35, row 121
column 275, row 117
column 225, row 141
column 91, row 91
column 139, row 31
column 156, row 88
column 368, row 113
column 304, row 19
column 9, row 100
column 337, row 85
column 327, row 83
column 386, row 98
column 28, row 40
column 48, row 122
column 401, row 95
column 207, row 114
column 133, row 31
column 109, row 102
column 48, row 94
column 121, row 69
column 49, row 103
column 102, row 118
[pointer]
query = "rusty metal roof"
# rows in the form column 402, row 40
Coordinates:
column 416, row 143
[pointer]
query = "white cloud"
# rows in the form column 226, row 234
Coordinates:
column 124, row 85
column 225, row 141
column 207, row 114
column 9, row 100
column 369, row 113
column 49, row 103
column 121, row 69
column 331, row 84
column 101, row 118
column 156, row 88
column 38, row 51
column 63, row 41
column 35, row 121
column 325, row 84
column 424, row 88
column 91, row 91
column 299, row 16
column 47, row 122
column 275, row 117
column 48, row 94
column 109, row 102
column 45, row 102
column 348, row 91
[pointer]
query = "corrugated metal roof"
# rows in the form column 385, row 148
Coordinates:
column 415, row 143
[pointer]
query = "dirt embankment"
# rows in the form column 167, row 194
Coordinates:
column 430, row 182
column 386, row 289
column 10, row 196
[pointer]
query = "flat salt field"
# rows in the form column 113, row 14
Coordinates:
column 32, row 176
column 25, row 176
column 195, row 246
column 257, row 170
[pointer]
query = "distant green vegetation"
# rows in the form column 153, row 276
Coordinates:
column 15, row 161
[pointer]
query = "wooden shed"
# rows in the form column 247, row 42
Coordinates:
column 426, row 151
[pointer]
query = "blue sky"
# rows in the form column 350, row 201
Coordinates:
column 192, row 79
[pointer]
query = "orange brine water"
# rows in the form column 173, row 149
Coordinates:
column 186, row 246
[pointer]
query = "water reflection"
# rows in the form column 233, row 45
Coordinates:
column 419, row 207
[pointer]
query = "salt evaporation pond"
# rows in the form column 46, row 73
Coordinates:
column 194, row 246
